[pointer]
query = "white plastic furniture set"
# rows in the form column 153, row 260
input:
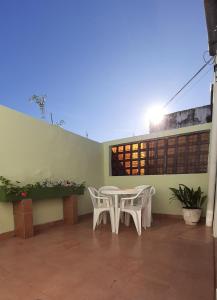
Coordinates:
column 119, row 202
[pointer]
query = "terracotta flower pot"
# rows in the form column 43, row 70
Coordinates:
column 191, row 215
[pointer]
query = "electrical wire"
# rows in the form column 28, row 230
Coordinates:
column 197, row 81
column 206, row 53
column 187, row 83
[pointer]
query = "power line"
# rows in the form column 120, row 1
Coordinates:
column 187, row 83
column 196, row 82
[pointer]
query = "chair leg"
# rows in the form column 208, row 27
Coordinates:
column 112, row 218
column 104, row 217
column 139, row 222
column 144, row 218
column 118, row 220
column 148, row 214
column 127, row 219
column 135, row 219
column 122, row 216
column 95, row 218
column 99, row 221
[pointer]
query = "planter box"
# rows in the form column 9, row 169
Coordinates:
column 42, row 193
column 23, row 216
column 53, row 192
column 23, row 219
column 70, row 209
column 8, row 198
column 22, row 208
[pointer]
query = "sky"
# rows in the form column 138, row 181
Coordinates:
column 102, row 63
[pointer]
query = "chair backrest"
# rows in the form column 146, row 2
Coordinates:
column 142, row 186
column 135, row 199
column 146, row 195
column 152, row 191
column 93, row 194
column 108, row 187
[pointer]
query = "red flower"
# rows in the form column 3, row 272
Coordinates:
column 23, row 194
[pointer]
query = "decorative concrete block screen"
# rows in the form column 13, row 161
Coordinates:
column 178, row 154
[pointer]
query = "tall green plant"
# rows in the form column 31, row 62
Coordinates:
column 188, row 197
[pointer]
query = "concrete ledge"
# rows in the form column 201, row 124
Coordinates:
column 41, row 227
column 167, row 216
column 85, row 216
column 7, row 235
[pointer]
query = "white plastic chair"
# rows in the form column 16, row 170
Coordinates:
column 101, row 204
column 142, row 199
column 101, row 189
column 147, row 202
column 145, row 198
column 133, row 206
column 145, row 186
column 108, row 187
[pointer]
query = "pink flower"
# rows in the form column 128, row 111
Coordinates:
column 23, row 194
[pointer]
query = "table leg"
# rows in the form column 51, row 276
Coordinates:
column 147, row 215
column 116, row 213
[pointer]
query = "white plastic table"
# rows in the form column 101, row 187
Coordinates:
column 119, row 192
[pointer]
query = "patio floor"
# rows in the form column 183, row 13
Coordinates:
column 169, row 261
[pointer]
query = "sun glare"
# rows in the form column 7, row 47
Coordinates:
column 156, row 114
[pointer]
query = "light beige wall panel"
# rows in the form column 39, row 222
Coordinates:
column 32, row 150
column 6, row 217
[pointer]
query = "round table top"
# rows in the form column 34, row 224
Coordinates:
column 119, row 192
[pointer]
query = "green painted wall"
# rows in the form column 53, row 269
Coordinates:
column 161, row 202
column 33, row 150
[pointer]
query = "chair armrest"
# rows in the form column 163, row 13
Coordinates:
column 138, row 196
column 108, row 200
column 124, row 200
column 101, row 197
column 130, row 198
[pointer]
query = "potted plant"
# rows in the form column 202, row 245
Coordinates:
column 192, row 202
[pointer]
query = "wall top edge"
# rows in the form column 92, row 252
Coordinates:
column 42, row 122
column 205, row 126
column 189, row 129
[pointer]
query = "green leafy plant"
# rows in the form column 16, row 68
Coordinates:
column 14, row 188
column 14, row 191
column 188, row 197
